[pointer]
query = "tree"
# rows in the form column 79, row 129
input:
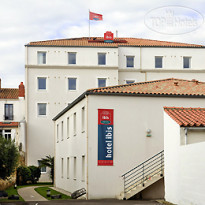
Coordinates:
column 9, row 156
column 35, row 174
column 48, row 162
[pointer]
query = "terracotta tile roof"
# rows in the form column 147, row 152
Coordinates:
column 9, row 93
column 98, row 42
column 9, row 124
column 187, row 117
column 166, row 87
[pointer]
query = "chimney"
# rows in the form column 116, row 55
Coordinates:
column 176, row 83
column 21, row 90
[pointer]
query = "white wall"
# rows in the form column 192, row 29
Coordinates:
column 132, row 117
column 184, row 166
column 71, row 146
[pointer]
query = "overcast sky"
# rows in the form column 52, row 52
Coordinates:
column 23, row 21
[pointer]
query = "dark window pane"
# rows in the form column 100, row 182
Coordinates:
column 8, row 111
column 158, row 62
column 186, row 62
column 129, row 81
column 130, row 61
column 41, row 83
column 71, row 58
column 71, row 83
column 41, row 108
column 101, row 59
column 101, row 82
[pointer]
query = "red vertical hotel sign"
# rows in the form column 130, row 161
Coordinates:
column 105, row 137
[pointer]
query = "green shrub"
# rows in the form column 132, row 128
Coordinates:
column 23, row 175
column 35, row 174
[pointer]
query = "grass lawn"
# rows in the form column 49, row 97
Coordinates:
column 43, row 192
column 12, row 191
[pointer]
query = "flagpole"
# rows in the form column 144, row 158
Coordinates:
column 89, row 23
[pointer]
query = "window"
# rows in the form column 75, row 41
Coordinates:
column 43, row 168
column 101, row 82
column 158, row 61
column 41, row 57
column 42, row 109
column 83, row 119
column 101, row 59
column 42, row 83
column 62, row 167
column 71, row 58
column 129, row 81
column 68, row 167
column 68, row 128
column 83, row 168
column 74, row 124
column 71, row 83
column 130, row 61
column 8, row 112
column 186, row 62
column 7, row 134
column 74, row 168
column 62, row 131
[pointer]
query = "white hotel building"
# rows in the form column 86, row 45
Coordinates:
column 58, row 71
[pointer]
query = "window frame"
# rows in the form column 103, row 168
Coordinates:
column 40, row 115
column 41, row 89
column 72, row 90
column 189, row 60
column 101, row 78
column 101, row 61
column 8, row 112
column 44, row 59
column 70, row 60
column 44, row 167
column 133, row 62
column 159, row 57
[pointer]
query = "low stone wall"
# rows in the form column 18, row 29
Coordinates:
column 4, row 184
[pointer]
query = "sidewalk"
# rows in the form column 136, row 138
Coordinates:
column 29, row 194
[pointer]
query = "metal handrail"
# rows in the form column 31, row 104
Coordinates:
column 143, row 171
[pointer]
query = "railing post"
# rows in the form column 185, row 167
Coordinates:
column 124, row 198
column 143, row 174
column 161, row 164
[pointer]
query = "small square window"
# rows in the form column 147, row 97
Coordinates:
column 129, row 81
column 42, row 83
column 186, row 62
column 72, row 83
column 41, row 57
column 130, row 61
column 158, row 61
column 71, row 58
column 101, row 82
column 42, row 109
column 101, row 59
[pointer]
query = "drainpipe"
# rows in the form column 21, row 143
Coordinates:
column 185, row 131
column 87, row 146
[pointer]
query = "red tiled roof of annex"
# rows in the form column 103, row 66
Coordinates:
column 187, row 117
column 10, row 124
column 165, row 87
column 99, row 42
column 9, row 93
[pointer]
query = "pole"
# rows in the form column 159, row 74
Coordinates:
column 89, row 23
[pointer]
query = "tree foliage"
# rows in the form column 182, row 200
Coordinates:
column 48, row 162
column 23, row 175
column 9, row 156
column 35, row 174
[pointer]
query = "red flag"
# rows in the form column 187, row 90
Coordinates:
column 96, row 17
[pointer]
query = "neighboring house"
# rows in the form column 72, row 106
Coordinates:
column 58, row 71
column 184, row 141
column 12, row 114
column 108, row 131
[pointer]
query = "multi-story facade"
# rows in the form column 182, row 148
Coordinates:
column 12, row 114
column 58, row 71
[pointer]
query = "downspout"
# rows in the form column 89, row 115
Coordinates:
column 87, row 145
column 26, row 107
